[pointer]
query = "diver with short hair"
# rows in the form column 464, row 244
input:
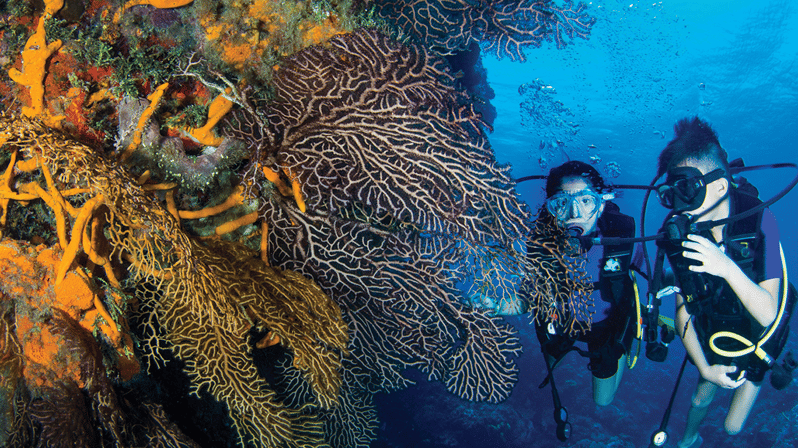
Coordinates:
column 729, row 274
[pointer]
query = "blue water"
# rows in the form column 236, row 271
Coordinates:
column 646, row 65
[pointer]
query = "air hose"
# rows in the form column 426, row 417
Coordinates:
column 632, row 361
column 750, row 346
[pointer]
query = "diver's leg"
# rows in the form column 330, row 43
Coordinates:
column 703, row 396
column 604, row 389
column 621, row 369
column 741, row 405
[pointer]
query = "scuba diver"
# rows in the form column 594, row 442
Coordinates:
column 728, row 271
column 579, row 200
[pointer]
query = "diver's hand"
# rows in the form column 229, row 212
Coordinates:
column 481, row 301
column 499, row 306
column 717, row 374
column 713, row 260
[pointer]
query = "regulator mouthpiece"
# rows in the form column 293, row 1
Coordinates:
column 575, row 231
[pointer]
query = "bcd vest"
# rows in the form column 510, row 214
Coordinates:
column 614, row 283
column 723, row 311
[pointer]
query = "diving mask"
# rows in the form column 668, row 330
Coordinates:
column 685, row 188
column 581, row 204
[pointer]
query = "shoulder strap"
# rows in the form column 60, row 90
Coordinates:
column 744, row 237
column 616, row 259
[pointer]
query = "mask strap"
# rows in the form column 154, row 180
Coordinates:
column 712, row 176
column 756, row 209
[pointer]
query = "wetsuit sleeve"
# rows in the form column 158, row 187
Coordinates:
column 770, row 232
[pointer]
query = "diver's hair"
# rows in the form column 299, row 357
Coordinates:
column 694, row 140
column 574, row 168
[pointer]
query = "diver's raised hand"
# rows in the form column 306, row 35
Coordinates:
column 713, row 260
column 718, row 374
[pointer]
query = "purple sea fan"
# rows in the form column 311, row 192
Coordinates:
column 502, row 27
column 402, row 191
column 368, row 122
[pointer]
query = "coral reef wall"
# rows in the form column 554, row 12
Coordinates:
column 282, row 204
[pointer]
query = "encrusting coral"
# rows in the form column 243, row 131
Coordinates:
column 253, row 35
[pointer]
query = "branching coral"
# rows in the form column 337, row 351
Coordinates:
column 555, row 284
column 503, row 27
column 204, row 303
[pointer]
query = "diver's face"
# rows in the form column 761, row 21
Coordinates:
column 577, row 216
column 716, row 192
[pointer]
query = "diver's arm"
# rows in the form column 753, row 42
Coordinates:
column 759, row 299
column 715, row 373
column 511, row 306
column 688, row 336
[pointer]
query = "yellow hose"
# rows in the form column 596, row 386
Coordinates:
column 631, row 362
column 757, row 349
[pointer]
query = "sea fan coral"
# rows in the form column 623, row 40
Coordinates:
column 351, row 159
column 203, row 303
column 402, row 191
column 502, row 27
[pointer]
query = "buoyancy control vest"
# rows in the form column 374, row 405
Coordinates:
column 614, row 283
column 745, row 245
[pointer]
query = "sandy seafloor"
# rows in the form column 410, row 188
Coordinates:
column 646, row 65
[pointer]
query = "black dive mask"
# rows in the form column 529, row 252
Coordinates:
column 685, row 188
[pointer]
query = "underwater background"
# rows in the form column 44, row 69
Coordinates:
column 614, row 99
column 261, row 223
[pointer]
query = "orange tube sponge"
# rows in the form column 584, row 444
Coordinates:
column 154, row 98
column 78, row 228
column 5, row 190
column 171, row 205
column 217, row 110
column 34, row 62
column 264, row 242
column 234, row 199
column 297, row 189
column 160, row 4
column 267, row 341
column 274, row 177
column 245, row 220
